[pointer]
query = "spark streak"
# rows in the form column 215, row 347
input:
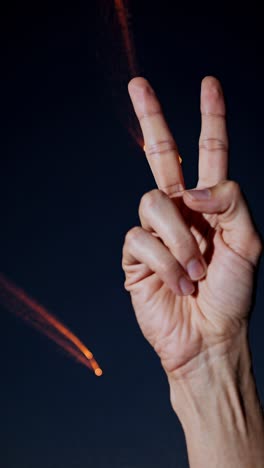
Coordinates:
column 127, row 37
column 18, row 302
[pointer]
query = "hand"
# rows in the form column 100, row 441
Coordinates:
column 189, row 328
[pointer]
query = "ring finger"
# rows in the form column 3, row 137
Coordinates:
column 158, row 213
column 141, row 246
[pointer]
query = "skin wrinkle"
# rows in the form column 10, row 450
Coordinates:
column 213, row 114
column 175, row 192
column 207, row 144
column 155, row 148
column 172, row 185
column 168, row 190
column 149, row 115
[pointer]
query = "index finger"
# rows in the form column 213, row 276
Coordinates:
column 160, row 147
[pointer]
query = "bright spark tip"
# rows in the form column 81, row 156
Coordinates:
column 98, row 372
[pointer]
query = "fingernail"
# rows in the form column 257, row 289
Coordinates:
column 186, row 286
column 196, row 269
column 202, row 194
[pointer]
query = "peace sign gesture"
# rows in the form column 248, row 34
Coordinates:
column 189, row 267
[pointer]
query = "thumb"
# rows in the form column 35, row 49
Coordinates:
column 233, row 216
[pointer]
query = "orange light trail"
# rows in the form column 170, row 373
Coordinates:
column 122, row 14
column 18, row 302
column 127, row 38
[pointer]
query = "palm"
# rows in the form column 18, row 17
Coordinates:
column 179, row 328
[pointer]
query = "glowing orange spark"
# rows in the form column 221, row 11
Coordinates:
column 98, row 371
column 16, row 301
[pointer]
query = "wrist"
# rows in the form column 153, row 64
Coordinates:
column 227, row 364
column 219, row 409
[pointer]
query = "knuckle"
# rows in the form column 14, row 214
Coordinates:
column 257, row 244
column 149, row 200
column 234, row 187
column 123, row 264
column 133, row 235
column 124, row 255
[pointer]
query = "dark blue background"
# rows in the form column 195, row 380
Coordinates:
column 71, row 181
